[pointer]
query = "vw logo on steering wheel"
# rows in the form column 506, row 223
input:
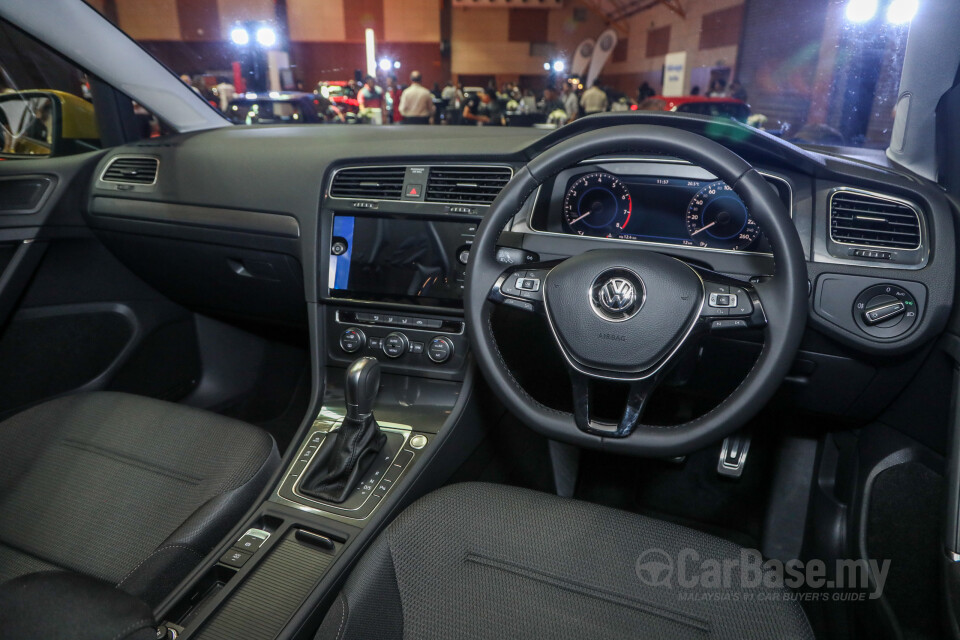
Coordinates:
column 617, row 295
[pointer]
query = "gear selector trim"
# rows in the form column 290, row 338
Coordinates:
column 358, row 506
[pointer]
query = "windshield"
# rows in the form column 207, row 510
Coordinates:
column 825, row 72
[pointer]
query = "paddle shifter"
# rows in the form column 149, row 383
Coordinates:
column 348, row 452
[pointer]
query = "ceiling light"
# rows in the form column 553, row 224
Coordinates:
column 239, row 36
column 861, row 10
column 266, row 36
column 902, row 11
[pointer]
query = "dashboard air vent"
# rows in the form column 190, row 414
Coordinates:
column 132, row 170
column 873, row 221
column 469, row 185
column 375, row 183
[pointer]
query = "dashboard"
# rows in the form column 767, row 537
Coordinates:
column 652, row 203
column 382, row 273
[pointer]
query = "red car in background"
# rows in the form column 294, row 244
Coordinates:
column 719, row 107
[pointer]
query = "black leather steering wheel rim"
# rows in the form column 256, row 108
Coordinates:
column 784, row 295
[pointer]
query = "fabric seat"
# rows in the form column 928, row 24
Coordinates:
column 492, row 562
column 127, row 489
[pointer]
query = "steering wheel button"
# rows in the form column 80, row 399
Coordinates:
column 519, row 304
column 731, row 323
column 723, row 300
column 715, row 311
column 528, row 284
column 742, row 305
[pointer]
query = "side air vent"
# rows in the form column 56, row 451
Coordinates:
column 374, row 183
column 469, row 185
column 132, row 170
column 869, row 220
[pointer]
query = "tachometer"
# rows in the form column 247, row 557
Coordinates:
column 597, row 204
column 717, row 218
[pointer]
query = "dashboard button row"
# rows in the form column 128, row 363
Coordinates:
column 398, row 320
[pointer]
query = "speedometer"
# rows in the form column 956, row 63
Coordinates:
column 717, row 218
column 597, row 204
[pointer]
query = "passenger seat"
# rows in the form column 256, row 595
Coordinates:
column 128, row 489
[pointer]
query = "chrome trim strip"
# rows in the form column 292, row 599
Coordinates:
column 769, row 176
column 405, row 166
column 921, row 220
column 130, row 155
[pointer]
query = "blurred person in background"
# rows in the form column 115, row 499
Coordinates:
column 483, row 109
column 391, row 98
column 416, row 103
column 550, row 101
column 645, row 91
column 528, row 103
column 718, row 89
column 370, row 95
column 571, row 102
column 594, row 99
column 225, row 91
column 452, row 103
column 737, row 91
column 652, row 104
column 371, row 102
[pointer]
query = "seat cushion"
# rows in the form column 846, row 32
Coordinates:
column 128, row 489
column 491, row 562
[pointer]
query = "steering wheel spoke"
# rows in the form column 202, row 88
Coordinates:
column 637, row 397
column 521, row 287
column 730, row 304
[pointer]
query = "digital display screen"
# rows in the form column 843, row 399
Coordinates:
column 686, row 210
column 657, row 201
column 407, row 260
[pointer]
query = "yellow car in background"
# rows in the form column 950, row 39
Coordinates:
column 48, row 122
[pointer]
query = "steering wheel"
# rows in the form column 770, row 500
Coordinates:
column 625, row 314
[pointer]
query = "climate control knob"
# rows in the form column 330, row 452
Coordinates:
column 440, row 349
column 352, row 340
column 395, row 345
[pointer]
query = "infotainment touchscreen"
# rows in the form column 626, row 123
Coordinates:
column 389, row 259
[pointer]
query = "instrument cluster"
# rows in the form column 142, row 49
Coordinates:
column 689, row 210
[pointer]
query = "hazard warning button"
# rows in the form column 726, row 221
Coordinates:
column 413, row 191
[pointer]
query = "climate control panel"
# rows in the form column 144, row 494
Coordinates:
column 417, row 345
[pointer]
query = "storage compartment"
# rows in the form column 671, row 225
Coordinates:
column 216, row 279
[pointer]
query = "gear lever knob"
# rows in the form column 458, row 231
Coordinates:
column 361, row 387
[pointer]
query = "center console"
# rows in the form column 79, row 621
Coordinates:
column 397, row 398
column 393, row 279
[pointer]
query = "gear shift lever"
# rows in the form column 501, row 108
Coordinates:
column 347, row 453
column 362, row 385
